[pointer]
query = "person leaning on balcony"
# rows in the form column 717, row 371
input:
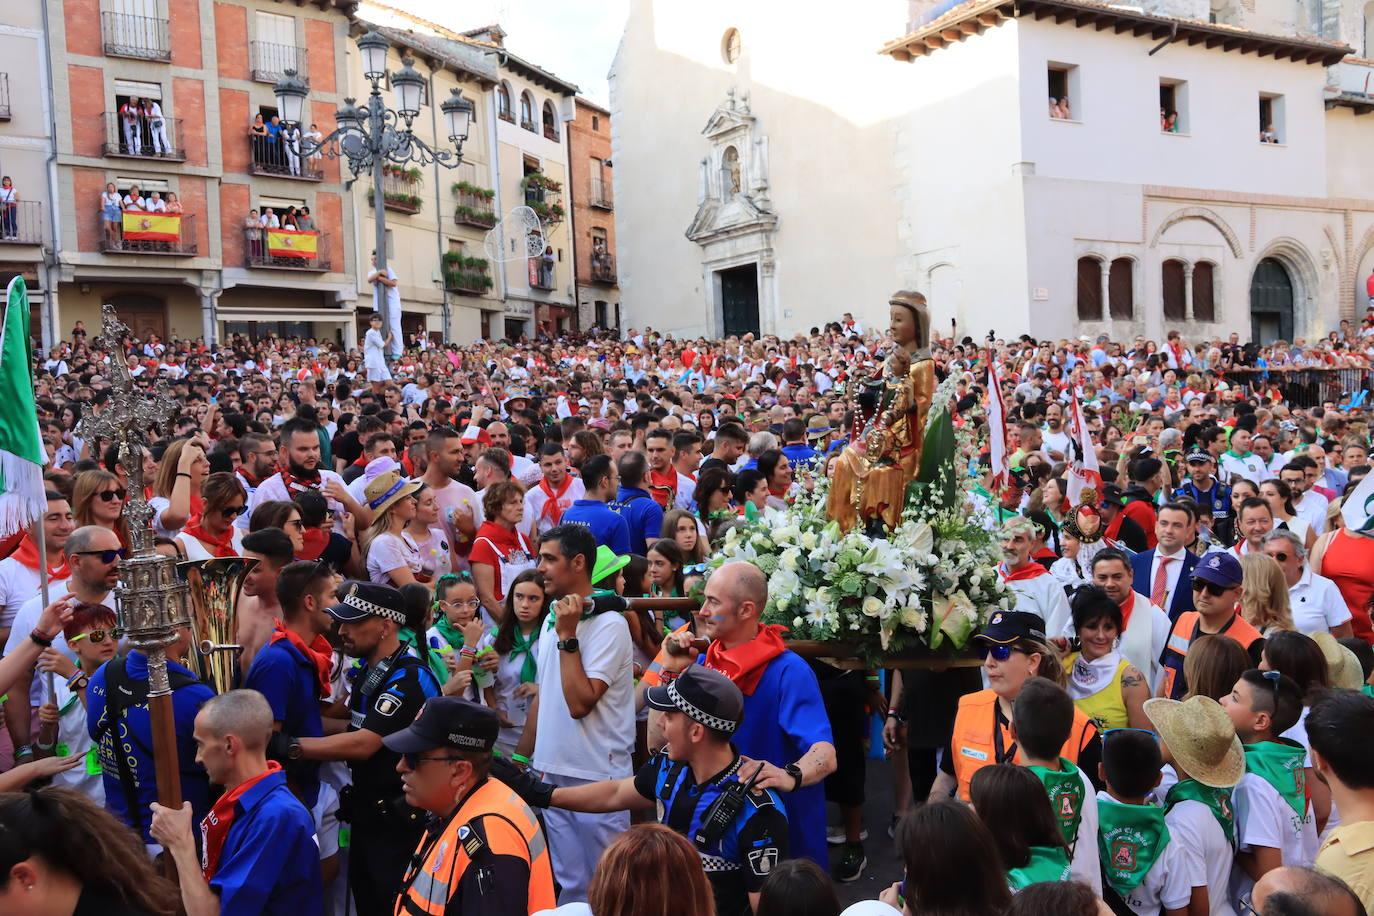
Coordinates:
column 134, row 201
column 131, row 117
column 253, row 232
column 304, row 221
column 156, row 204
column 269, row 220
column 110, row 214
column 9, row 209
column 157, row 127
column 173, row 203
column 257, row 132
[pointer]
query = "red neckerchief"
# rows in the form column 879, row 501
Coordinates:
column 1031, row 570
column 214, row 830
column 1126, row 607
column 27, row 555
column 780, row 494
column 319, row 652
column 249, row 479
column 552, row 510
column 1113, row 530
column 1177, row 351
column 219, row 546
column 316, row 540
column 745, row 664
column 1044, row 553
column 296, row 484
column 664, row 485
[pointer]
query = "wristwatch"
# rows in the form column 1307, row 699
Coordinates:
column 568, row 645
column 795, row 772
column 293, row 751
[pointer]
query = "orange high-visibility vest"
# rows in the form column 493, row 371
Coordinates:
column 974, row 745
column 1187, row 629
column 507, row 828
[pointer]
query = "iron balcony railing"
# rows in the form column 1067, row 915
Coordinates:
column 286, row 250
column 4, row 96
column 541, row 274
column 271, row 60
column 528, row 124
column 601, row 195
column 21, row 223
column 143, row 37
column 180, row 235
column 1306, row 388
column 603, row 267
column 281, row 159
column 550, row 131
column 140, row 136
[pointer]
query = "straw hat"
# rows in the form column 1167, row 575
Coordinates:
column 1342, row 665
column 386, row 489
column 1201, row 737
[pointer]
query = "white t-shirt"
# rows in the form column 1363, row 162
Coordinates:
column 1043, row 595
column 1086, row 865
column 1251, row 467
column 27, row 618
column 195, row 550
column 73, row 738
column 1311, row 507
column 452, row 497
column 1056, row 442
column 516, row 709
column 1317, row 603
column 272, row 488
column 1166, row 884
column 374, row 351
column 389, row 551
column 18, row 584
column 1205, row 853
column 536, row 499
column 1263, row 818
column 598, row 745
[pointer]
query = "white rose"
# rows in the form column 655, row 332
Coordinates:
column 873, row 606
column 809, row 540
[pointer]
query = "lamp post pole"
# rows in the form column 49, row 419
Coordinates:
column 376, row 119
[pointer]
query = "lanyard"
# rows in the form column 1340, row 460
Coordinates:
column 1009, row 756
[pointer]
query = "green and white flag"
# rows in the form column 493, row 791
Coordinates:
column 22, row 456
column 1358, row 508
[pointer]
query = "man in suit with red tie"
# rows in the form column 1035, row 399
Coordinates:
column 1165, row 574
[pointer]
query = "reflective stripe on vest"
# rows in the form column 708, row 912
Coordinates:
column 441, row 872
column 1181, row 639
column 972, row 741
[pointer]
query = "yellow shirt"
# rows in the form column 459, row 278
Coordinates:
column 1107, row 707
column 1348, row 854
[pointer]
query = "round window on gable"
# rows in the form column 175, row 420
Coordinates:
column 730, row 45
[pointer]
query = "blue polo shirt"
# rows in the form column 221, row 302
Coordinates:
column 607, row 525
column 270, row 862
column 783, row 717
column 289, row 682
column 134, row 732
column 800, row 455
column 641, row 514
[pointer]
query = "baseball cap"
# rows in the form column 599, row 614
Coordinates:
column 1007, row 627
column 1219, row 568
column 447, row 722
column 368, row 599
column 702, row 695
column 1111, row 495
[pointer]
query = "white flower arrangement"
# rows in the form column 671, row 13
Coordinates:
column 929, row 584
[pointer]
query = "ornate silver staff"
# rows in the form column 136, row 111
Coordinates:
column 151, row 602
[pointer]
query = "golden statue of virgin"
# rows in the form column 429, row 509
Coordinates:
column 870, row 478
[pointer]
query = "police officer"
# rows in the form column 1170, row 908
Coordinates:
column 1213, row 498
column 387, row 688
column 699, row 785
column 484, row 852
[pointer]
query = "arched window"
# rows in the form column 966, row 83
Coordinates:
column 1174, row 289
column 550, row 121
column 527, row 111
column 503, row 107
column 729, row 167
column 1204, row 292
column 1121, row 289
column 1089, row 289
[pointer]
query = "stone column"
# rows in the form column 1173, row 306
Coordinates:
column 1106, row 278
column 1187, row 290
column 209, row 323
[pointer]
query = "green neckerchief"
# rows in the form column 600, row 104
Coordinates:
column 1235, row 454
column 1065, row 788
column 1047, row 863
column 1280, row 765
column 1129, row 839
column 751, row 511
column 430, row 657
column 551, row 619
column 1218, row 801
column 452, row 635
column 524, row 645
column 1368, row 690
column 983, row 491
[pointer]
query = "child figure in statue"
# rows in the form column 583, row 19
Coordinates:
column 871, row 476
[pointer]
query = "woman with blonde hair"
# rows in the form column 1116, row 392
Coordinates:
column 176, row 490
column 1264, row 594
column 1213, row 665
column 392, row 557
column 98, row 499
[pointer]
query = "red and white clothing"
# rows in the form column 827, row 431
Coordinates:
column 508, row 552
column 545, row 504
column 1144, row 634
column 275, row 487
column 198, row 546
column 666, row 487
column 1039, row 593
column 20, row 579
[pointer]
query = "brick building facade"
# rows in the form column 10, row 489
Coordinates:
column 593, row 216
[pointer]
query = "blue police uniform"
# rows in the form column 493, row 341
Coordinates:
column 121, row 728
column 290, row 682
column 1215, row 500
column 385, row 830
column 745, row 852
column 607, row 525
column 642, row 514
column 270, row 862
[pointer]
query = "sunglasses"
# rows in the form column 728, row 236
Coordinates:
column 1211, row 588
column 106, row 556
column 232, row 511
column 111, row 495
column 1000, row 653
column 1281, row 557
column 95, row 636
column 415, row 761
column 1273, row 678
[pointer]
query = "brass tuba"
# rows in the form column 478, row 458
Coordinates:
column 214, row 589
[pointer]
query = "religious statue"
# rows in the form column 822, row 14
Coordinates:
column 870, row 479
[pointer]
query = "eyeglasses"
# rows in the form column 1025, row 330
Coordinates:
column 414, row 761
column 1211, row 588
column 111, row 495
column 999, row 653
column 95, row 636
column 296, row 523
column 453, row 605
column 232, row 511
column 106, row 556
column 1247, row 905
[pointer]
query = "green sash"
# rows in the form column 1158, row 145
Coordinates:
column 1280, row 765
column 1047, row 863
column 1218, row 801
column 1129, row 840
column 1368, row 690
column 1065, row 788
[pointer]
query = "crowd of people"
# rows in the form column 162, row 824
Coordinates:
column 446, row 699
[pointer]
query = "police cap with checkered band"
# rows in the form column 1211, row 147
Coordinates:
column 702, row 695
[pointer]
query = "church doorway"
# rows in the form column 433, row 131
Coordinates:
column 739, row 300
column 1271, row 303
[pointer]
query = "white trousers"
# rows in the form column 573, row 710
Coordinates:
column 576, row 841
column 133, row 138
column 157, row 133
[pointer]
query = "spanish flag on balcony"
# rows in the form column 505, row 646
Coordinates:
column 292, row 243
column 152, row 227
